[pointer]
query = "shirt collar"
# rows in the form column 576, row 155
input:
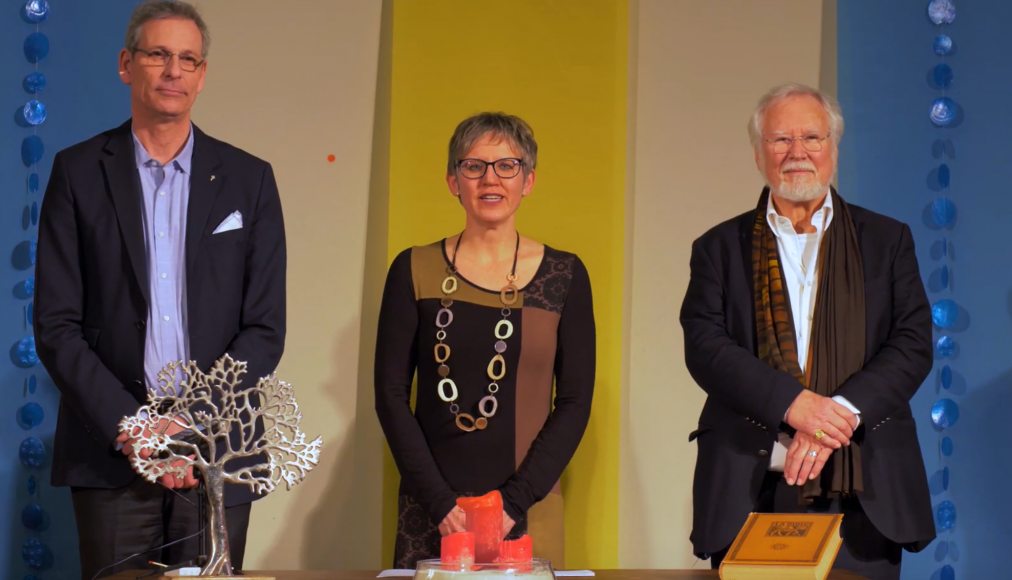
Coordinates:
column 182, row 161
column 820, row 219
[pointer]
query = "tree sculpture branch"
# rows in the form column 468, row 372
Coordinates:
column 221, row 420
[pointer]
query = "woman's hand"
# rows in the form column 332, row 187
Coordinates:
column 507, row 523
column 453, row 522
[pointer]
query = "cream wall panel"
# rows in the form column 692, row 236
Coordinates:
column 294, row 83
column 698, row 69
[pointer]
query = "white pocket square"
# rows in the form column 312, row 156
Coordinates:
column 232, row 222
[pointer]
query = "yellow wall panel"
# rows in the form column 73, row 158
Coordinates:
column 562, row 66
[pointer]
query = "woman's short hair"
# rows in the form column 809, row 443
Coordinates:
column 501, row 125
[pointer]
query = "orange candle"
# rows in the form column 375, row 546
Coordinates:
column 516, row 551
column 457, row 548
column 484, row 519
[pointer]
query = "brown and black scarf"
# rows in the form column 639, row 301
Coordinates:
column 836, row 349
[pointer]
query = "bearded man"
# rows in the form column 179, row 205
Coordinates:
column 807, row 325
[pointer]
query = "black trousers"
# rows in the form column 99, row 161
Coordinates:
column 114, row 524
column 864, row 551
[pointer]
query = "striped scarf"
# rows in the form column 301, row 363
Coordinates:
column 838, row 329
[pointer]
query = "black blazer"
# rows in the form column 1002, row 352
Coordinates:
column 747, row 399
column 91, row 298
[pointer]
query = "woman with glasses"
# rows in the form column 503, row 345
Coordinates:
column 490, row 321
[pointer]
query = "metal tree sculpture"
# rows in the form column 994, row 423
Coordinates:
column 222, row 423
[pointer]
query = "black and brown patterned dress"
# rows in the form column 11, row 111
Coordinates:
column 535, row 429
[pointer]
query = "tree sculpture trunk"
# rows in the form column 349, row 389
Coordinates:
column 219, row 561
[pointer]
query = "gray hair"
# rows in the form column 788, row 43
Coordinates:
column 500, row 125
column 159, row 10
column 779, row 93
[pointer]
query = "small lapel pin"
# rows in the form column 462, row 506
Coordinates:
column 212, row 177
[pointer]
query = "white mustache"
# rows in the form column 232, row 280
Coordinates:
column 798, row 166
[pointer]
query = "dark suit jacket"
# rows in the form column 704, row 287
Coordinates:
column 747, row 399
column 91, row 302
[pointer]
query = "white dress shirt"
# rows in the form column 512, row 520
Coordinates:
column 799, row 254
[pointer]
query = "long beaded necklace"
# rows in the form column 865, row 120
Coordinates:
column 496, row 369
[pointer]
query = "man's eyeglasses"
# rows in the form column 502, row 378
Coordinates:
column 161, row 57
column 783, row 144
column 476, row 168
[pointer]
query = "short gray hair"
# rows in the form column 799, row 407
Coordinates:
column 781, row 92
column 159, row 10
column 500, row 125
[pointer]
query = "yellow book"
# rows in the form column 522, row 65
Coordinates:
column 783, row 547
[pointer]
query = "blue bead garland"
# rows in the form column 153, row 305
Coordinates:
column 30, row 415
column 946, row 315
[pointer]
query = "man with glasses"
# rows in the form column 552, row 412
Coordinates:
column 807, row 325
column 157, row 243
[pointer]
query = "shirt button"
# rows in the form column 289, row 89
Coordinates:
column 164, row 275
column 161, row 234
column 162, row 193
column 763, row 453
column 165, row 318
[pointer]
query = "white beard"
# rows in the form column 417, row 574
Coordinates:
column 807, row 190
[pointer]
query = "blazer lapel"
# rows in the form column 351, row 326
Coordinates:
column 124, row 185
column 205, row 184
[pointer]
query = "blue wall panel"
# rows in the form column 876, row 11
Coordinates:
column 83, row 96
column 889, row 162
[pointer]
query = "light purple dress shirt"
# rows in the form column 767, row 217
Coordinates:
column 166, row 193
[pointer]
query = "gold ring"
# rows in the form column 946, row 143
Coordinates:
column 819, row 434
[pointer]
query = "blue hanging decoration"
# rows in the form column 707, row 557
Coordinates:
column 943, row 212
column 34, row 82
column 36, row 47
column 24, row 352
column 33, row 517
column 943, row 276
column 30, row 415
column 944, row 176
column 941, row 11
column 946, row 377
column 35, row 11
column 942, row 45
column 941, row 550
column 945, row 515
column 32, row 150
column 945, row 346
column 34, row 112
column 947, row 573
column 946, row 446
column 942, row 75
column 944, row 313
column 35, row 554
column 944, row 414
column 32, row 452
column 943, row 111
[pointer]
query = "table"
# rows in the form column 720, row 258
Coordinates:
column 701, row 574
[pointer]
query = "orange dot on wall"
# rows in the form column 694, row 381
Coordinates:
column 331, row 158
